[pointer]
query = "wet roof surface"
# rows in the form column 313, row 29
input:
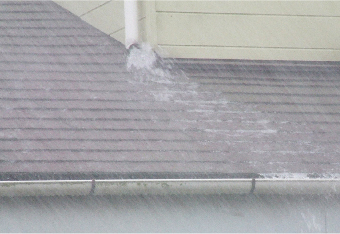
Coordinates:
column 69, row 106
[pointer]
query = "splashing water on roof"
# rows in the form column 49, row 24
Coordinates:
column 148, row 64
column 141, row 58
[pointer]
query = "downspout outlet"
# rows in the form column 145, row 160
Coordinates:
column 131, row 23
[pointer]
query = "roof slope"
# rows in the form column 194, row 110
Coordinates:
column 69, row 106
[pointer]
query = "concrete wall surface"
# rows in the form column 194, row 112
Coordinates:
column 194, row 213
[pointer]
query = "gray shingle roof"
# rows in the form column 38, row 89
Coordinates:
column 70, row 108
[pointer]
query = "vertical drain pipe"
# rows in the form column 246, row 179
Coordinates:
column 131, row 23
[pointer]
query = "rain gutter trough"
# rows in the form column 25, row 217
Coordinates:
column 169, row 186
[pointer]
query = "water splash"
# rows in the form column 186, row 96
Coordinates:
column 299, row 176
column 202, row 109
column 158, row 76
column 141, row 58
column 149, row 65
column 285, row 175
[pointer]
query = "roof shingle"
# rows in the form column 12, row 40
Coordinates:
column 69, row 106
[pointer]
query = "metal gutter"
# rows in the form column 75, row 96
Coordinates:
column 45, row 188
column 173, row 186
column 297, row 186
column 169, row 186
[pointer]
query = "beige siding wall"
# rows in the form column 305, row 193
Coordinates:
column 273, row 30
column 107, row 16
column 262, row 30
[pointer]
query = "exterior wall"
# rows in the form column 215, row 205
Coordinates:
column 107, row 16
column 259, row 30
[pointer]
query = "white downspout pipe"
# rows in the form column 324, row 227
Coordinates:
column 131, row 23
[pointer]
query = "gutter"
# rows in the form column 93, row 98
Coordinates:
column 131, row 23
column 170, row 186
